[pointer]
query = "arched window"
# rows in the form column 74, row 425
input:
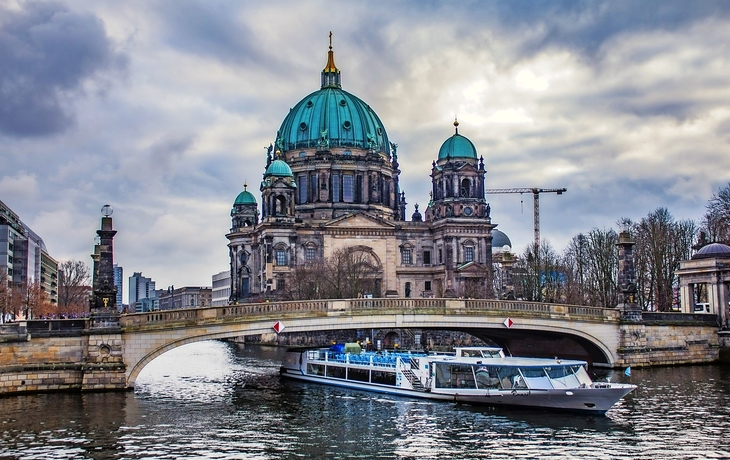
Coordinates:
column 465, row 188
column 280, row 205
column 280, row 255
column 310, row 252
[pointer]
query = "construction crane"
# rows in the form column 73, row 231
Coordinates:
column 536, row 202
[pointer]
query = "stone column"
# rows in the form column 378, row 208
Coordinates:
column 103, row 304
column 627, row 278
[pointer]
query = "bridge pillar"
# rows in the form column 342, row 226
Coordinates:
column 103, row 368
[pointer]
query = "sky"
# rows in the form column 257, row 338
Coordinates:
column 163, row 110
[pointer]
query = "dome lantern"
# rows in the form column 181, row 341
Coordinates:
column 330, row 73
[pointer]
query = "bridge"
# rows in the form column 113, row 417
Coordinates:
column 109, row 353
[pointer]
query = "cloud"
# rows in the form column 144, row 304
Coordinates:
column 47, row 53
column 19, row 188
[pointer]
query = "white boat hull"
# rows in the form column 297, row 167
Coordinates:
column 592, row 398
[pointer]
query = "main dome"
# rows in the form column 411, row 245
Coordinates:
column 332, row 117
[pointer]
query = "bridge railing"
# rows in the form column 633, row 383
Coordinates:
column 363, row 306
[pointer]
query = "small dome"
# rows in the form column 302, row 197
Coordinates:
column 713, row 251
column 279, row 168
column 245, row 197
column 457, row 146
column 499, row 240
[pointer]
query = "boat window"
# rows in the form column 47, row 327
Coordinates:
column 313, row 354
column 509, row 377
column 493, row 353
column 582, row 375
column 563, row 376
column 487, row 377
column 336, row 372
column 361, row 375
column 471, row 353
column 315, row 369
column 536, row 378
column 454, row 376
column 382, row 377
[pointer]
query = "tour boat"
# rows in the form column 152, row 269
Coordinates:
column 473, row 375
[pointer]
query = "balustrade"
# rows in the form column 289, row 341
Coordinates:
column 361, row 306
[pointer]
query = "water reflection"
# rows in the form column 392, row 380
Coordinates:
column 222, row 401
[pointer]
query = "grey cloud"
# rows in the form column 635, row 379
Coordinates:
column 209, row 29
column 46, row 53
column 585, row 26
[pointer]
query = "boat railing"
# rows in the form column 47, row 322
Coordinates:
column 413, row 362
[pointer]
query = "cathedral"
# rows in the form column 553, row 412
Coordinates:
column 331, row 183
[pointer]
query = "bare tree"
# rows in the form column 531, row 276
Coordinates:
column 716, row 221
column 74, row 278
column 591, row 262
column 539, row 274
column 36, row 303
column 661, row 243
column 305, row 282
column 350, row 272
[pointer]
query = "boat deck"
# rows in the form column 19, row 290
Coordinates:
column 388, row 360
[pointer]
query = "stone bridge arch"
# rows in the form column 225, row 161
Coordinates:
column 137, row 358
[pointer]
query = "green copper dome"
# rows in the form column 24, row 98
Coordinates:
column 245, row 197
column 332, row 117
column 278, row 168
column 457, row 146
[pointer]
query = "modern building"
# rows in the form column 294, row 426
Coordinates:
column 24, row 257
column 140, row 287
column 221, row 292
column 331, row 182
column 49, row 277
column 142, row 294
column 185, row 297
column 119, row 283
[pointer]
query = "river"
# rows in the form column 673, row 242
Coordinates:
column 215, row 400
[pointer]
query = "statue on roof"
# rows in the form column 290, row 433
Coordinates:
column 324, row 141
column 371, row 142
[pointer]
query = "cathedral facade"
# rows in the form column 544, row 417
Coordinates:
column 331, row 183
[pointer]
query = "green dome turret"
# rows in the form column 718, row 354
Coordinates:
column 457, row 146
column 278, row 168
column 245, row 198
